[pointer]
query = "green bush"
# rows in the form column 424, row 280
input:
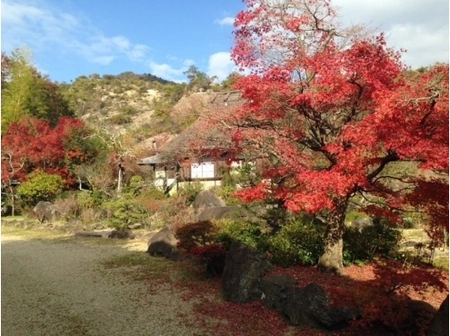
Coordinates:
column 379, row 239
column 249, row 233
column 226, row 192
column 40, row 186
column 135, row 185
column 89, row 199
column 298, row 242
column 125, row 211
column 190, row 192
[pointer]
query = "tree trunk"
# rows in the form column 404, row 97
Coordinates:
column 120, row 178
column 332, row 258
column 12, row 199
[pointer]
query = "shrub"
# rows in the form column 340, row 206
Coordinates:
column 68, row 206
column 90, row 199
column 249, row 233
column 125, row 211
column 226, row 192
column 196, row 234
column 190, row 192
column 40, row 187
column 135, row 186
column 120, row 119
column 299, row 241
column 379, row 239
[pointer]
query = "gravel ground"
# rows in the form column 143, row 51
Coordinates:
column 61, row 289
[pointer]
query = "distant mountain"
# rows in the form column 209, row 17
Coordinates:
column 146, row 77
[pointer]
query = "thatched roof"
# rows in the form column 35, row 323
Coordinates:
column 205, row 137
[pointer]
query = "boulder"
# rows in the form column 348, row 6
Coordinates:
column 232, row 212
column 439, row 323
column 244, row 268
column 122, row 234
column 207, row 199
column 419, row 315
column 215, row 266
column 309, row 306
column 274, row 289
column 46, row 211
column 361, row 223
column 163, row 244
column 95, row 234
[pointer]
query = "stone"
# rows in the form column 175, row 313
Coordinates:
column 309, row 306
column 274, row 290
column 122, row 234
column 244, row 268
column 163, row 244
column 362, row 223
column 232, row 212
column 46, row 211
column 419, row 314
column 215, row 266
column 439, row 324
column 95, row 234
column 135, row 226
column 207, row 199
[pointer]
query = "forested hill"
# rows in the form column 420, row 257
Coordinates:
column 138, row 105
column 120, row 103
column 135, row 106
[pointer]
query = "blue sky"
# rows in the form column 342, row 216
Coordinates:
column 71, row 38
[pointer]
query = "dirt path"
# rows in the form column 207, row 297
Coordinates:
column 60, row 288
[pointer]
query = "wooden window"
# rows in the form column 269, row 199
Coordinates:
column 202, row 170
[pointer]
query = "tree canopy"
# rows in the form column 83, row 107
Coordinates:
column 331, row 108
column 25, row 92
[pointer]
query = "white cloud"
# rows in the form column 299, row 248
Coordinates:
column 44, row 27
column 168, row 72
column 227, row 21
column 220, row 65
column 421, row 27
column 103, row 60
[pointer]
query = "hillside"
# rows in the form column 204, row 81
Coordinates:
column 141, row 107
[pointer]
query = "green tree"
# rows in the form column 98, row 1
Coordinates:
column 197, row 79
column 25, row 92
column 40, row 187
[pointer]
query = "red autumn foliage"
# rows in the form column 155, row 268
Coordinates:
column 356, row 287
column 332, row 108
column 34, row 144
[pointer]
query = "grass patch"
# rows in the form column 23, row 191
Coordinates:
column 32, row 233
column 415, row 234
column 441, row 263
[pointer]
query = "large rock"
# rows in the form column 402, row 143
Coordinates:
column 361, row 223
column 244, row 268
column 46, row 211
column 122, row 234
column 163, row 244
column 274, row 289
column 309, row 306
column 231, row 212
column 439, row 325
column 419, row 314
column 207, row 199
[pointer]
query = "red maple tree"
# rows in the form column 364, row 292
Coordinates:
column 32, row 144
column 334, row 110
